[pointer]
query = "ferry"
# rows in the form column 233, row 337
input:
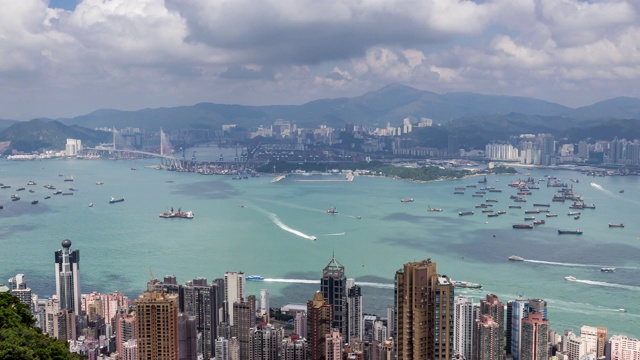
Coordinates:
column 523, row 226
column 114, row 200
column 621, row 225
column 407, row 200
column 608, row 269
column 465, row 213
column 516, row 258
column 466, row 285
column 570, row 278
column 570, row 232
column 332, row 210
column 254, row 278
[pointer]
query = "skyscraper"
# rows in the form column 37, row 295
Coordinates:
column 333, row 345
column 187, row 337
column 595, row 339
column 487, row 344
column 234, row 285
column 534, row 337
column 157, row 326
column 265, row 341
column 68, row 277
column 333, row 286
column 492, row 306
column 244, row 318
column 463, row 325
column 294, row 348
column 200, row 301
column 420, row 294
column 354, row 312
column 318, row 325
column 222, row 349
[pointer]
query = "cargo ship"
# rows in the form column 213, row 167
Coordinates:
column 570, row 232
column 621, row 225
column 523, row 226
column 407, row 200
column 465, row 213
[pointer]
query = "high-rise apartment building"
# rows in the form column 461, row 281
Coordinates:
column 199, row 300
column 187, row 337
column 222, row 349
column 68, row 277
column 125, row 328
column 517, row 310
column 487, row 344
column 157, row 325
column 354, row 313
column 265, row 341
column 624, row 348
column 294, row 348
column 333, row 345
column 595, row 340
column 333, row 286
column 424, row 320
column 319, row 320
column 234, row 285
column 18, row 288
column 464, row 316
column 534, row 337
column 244, row 318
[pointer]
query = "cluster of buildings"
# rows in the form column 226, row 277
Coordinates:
column 219, row 320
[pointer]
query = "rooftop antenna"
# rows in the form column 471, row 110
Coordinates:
column 152, row 277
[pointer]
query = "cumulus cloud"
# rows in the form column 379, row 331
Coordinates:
column 145, row 53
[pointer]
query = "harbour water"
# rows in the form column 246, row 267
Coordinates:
column 268, row 229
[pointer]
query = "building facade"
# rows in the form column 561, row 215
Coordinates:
column 157, row 325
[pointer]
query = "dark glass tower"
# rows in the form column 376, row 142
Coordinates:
column 68, row 277
column 333, row 287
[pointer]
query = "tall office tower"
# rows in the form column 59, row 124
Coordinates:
column 244, row 318
column 534, row 337
column 264, row 304
column 595, row 339
column 464, row 317
column 624, row 348
column 293, row 348
column 157, row 325
column 68, row 277
column 319, row 320
column 220, row 300
column 487, row 344
column 222, row 349
column 333, row 345
column 264, row 342
column 391, row 322
column 125, row 328
column 199, row 301
column 234, row 349
column 420, row 294
column 354, row 313
column 333, row 286
column 519, row 310
column 129, row 350
column 300, row 323
column 187, row 337
column 234, row 285
column 18, row 288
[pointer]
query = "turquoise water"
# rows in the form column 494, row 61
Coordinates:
column 266, row 229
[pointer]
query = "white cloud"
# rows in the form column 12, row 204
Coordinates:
column 146, row 53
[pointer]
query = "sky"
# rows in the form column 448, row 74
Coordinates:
column 64, row 58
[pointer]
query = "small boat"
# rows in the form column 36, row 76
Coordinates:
column 1, row 207
column 31, row 191
column 523, row 226
column 458, row 192
column 114, row 200
column 573, row 213
column 31, row 182
column 466, row 284
column 332, row 210
column 358, row 217
column 407, row 200
column 67, row 193
column 516, row 258
column 134, row 169
column 576, row 217
column 47, row 197
column 34, row 202
column 570, row 278
column 57, row 192
column 608, row 269
column 99, row 182
column 5, row 187
column 465, row 213
column 538, row 222
column 622, row 310
column 90, row 204
column 70, row 178
column 621, row 191
column 15, row 197
column 529, row 218
column 434, row 209
column 313, row 238
column 254, row 278
column 20, row 189
column 50, row 187
column 73, row 189
column 477, row 195
column 491, row 200
column 570, row 232
column 620, row 225
column 551, row 215
column 501, row 212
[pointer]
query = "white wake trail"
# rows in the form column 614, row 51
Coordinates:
column 336, row 234
column 276, row 220
column 602, row 283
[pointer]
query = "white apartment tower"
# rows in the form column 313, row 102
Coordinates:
column 234, row 285
column 464, row 316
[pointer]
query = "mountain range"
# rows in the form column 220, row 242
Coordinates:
column 390, row 104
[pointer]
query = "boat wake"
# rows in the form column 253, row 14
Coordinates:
column 602, row 283
column 336, row 234
column 599, row 187
column 276, row 220
column 305, row 281
column 577, row 265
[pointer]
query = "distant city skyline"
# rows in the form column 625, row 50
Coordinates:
column 65, row 58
